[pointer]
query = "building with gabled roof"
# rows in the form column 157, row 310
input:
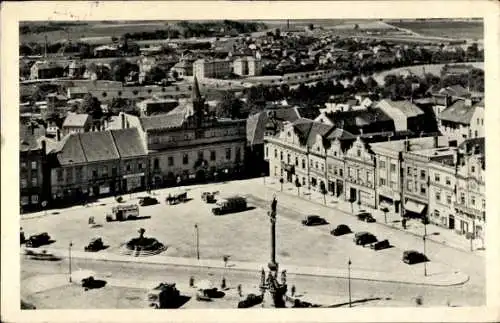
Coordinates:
column 75, row 122
column 405, row 114
column 464, row 119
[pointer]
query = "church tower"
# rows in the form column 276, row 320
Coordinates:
column 198, row 103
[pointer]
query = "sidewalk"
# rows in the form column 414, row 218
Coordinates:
column 434, row 233
column 432, row 279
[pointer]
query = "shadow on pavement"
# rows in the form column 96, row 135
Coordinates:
column 178, row 302
column 359, row 301
column 140, row 218
column 94, row 284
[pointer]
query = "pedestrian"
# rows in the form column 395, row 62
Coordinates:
column 223, row 284
column 239, row 290
column 403, row 222
column 191, row 281
column 292, row 290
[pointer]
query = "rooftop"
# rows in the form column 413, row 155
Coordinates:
column 76, row 120
column 459, row 112
column 415, row 144
column 409, row 109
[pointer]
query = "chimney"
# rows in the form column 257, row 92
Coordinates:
column 123, row 120
column 58, row 135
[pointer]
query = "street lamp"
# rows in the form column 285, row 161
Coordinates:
column 197, row 239
column 349, row 280
column 69, row 249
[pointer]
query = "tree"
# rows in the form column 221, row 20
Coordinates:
column 229, row 106
column 311, row 26
column 92, row 106
column 121, row 68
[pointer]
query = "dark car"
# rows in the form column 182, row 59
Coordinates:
column 95, row 245
column 314, row 220
column 379, row 245
column 147, row 200
column 414, row 257
column 38, row 240
column 364, row 238
column 250, row 300
column 341, row 229
column 365, row 216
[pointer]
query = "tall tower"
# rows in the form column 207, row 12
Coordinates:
column 198, row 102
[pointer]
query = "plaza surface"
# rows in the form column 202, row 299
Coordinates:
column 244, row 236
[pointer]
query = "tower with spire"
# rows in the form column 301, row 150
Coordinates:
column 198, row 103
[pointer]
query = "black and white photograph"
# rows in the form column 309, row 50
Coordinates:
column 250, row 163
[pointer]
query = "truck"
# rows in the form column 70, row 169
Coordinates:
column 229, row 205
column 38, row 240
column 165, row 295
column 123, row 213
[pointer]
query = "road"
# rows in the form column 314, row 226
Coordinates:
column 336, row 288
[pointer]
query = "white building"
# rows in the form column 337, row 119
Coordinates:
column 211, row 68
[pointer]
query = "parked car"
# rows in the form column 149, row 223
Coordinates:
column 414, row 257
column 95, row 244
column 250, row 300
column 341, row 229
column 379, row 245
column 365, row 216
column 364, row 238
column 311, row 220
column 209, row 197
column 230, row 205
column 165, row 295
column 147, row 200
column 38, row 240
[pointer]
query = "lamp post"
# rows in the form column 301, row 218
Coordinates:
column 69, row 249
column 349, row 280
column 472, row 236
column 197, row 241
column 424, row 238
column 273, row 265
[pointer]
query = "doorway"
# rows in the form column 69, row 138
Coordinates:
column 451, row 222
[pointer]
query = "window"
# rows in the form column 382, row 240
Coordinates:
column 296, row 161
column 438, row 196
column 34, row 165
column 484, row 204
column 322, row 167
column 267, row 152
column 316, row 165
column 25, row 200
column 78, row 173
column 127, row 166
column 462, row 198
column 470, row 133
column 382, row 182
column 409, row 185
column 238, row 154
column 105, row 171
column 473, row 169
column 473, row 201
column 303, row 181
column 482, row 122
column 23, row 165
column 335, row 171
column 436, row 177
column 170, row 161
column 423, row 189
column 340, row 172
column 358, row 173
column 422, row 174
column 436, row 213
column 139, row 166
column 24, row 183
column 476, row 133
column 34, row 199
column 60, row 175
column 228, row 154
column 382, row 164
column 358, row 153
column 393, row 168
column 448, row 181
column 477, row 120
column 200, row 155
column 288, row 159
column 213, row 156
column 448, row 199
column 303, row 164
column 69, row 175
column 114, row 171
column 275, row 153
column 185, row 159
column 94, row 173
column 156, row 163
column 409, row 171
column 281, row 155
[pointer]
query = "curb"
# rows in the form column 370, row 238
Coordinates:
column 207, row 266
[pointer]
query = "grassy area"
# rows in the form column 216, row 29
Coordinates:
column 450, row 29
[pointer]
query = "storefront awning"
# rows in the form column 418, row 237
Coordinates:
column 414, row 207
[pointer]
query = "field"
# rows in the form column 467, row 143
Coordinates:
column 449, row 29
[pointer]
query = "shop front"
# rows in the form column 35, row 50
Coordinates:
column 133, row 182
column 289, row 172
column 415, row 209
column 389, row 199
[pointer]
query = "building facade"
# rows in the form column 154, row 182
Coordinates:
column 335, row 157
column 247, row 66
column 212, row 68
column 442, row 197
column 360, row 174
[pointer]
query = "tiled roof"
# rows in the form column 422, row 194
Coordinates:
column 78, row 89
column 317, row 128
column 71, row 150
column 409, row 109
column 162, row 121
column 358, row 118
column 75, row 120
column 256, row 125
column 28, row 138
column 128, row 142
column 458, row 112
column 340, row 134
column 98, row 146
